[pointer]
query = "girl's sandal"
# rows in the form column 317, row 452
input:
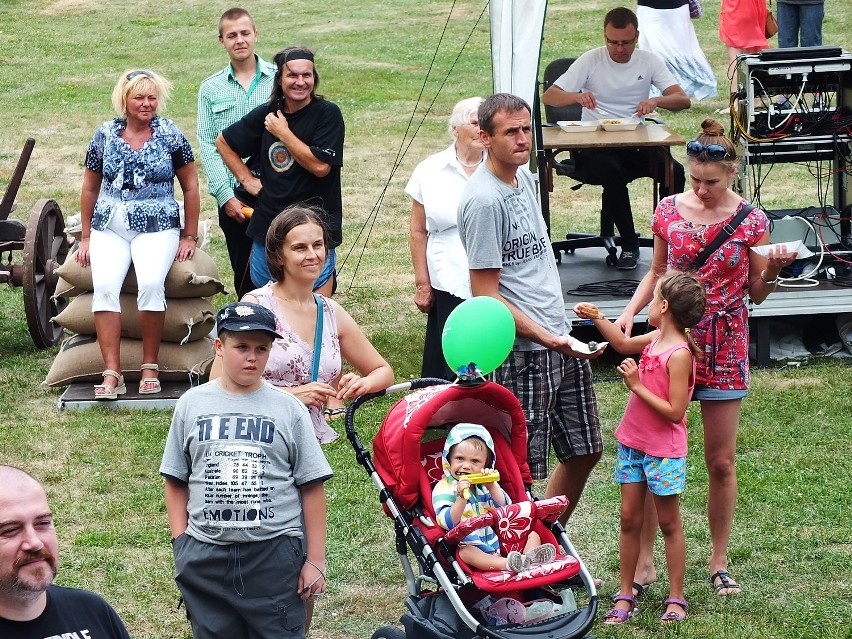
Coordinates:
column 149, row 385
column 104, row 392
column 616, row 616
column 670, row 617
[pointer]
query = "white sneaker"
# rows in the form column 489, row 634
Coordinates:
column 544, row 554
column 517, row 561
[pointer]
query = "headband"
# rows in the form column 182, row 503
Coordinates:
column 298, row 54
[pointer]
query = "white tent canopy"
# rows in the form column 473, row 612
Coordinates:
column 516, row 33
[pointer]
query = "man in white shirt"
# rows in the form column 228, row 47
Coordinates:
column 614, row 81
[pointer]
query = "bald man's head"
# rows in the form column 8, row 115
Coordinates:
column 28, row 547
column 14, row 475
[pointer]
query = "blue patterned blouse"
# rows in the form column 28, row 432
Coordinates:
column 138, row 184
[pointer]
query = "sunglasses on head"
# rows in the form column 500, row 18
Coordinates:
column 136, row 74
column 694, row 148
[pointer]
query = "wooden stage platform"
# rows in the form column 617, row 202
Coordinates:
column 80, row 396
column 586, row 268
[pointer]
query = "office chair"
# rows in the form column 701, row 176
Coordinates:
column 570, row 167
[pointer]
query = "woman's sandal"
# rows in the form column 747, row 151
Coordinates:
column 334, row 413
column 669, row 617
column 615, row 616
column 725, row 583
column 104, row 392
column 149, row 385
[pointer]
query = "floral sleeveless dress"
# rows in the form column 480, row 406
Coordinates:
column 723, row 331
column 291, row 359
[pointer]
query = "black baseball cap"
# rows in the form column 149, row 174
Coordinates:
column 237, row 317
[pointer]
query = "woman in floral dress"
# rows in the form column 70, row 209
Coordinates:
column 683, row 225
column 296, row 245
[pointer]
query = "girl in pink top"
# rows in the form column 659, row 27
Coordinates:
column 652, row 434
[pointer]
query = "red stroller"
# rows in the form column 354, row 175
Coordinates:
column 445, row 595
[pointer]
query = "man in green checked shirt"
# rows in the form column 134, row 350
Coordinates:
column 224, row 98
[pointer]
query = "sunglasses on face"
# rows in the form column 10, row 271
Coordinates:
column 136, row 74
column 694, row 148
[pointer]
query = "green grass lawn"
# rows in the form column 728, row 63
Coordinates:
column 791, row 547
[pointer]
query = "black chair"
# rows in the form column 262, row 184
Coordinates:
column 570, row 167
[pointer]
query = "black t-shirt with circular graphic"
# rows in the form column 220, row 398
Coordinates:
column 320, row 125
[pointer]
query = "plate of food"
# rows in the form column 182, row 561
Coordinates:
column 587, row 348
column 578, row 126
column 619, row 124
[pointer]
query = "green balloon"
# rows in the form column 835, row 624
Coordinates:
column 479, row 330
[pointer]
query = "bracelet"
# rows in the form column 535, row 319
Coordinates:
column 192, row 237
column 319, row 570
column 766, row 281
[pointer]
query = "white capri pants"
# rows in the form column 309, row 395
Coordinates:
column 111, row 252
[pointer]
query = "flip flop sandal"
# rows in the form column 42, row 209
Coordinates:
column 675, row 617
column 331, row 413
column 616, row 616
column 104, row 392
column 725, row 583
column 149, row 385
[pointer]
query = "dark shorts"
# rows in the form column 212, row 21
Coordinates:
column 558, row 399
column 241, row 591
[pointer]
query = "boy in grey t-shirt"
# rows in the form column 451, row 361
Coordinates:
column 242, row 465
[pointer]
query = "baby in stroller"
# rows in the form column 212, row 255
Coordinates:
column 469, row 450
column 445, row 593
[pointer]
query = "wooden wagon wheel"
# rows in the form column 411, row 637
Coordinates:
column 45, row 248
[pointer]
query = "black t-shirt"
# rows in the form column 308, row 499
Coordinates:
column 319, row 124
column 71, row 612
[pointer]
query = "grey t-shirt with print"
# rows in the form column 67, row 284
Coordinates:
column 244, row 458
column 502, row 227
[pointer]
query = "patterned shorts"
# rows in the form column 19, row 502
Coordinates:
column 664, row 475
column 559, row 403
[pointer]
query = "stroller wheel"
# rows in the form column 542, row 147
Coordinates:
column 389, row 632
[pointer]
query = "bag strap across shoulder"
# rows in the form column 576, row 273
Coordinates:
column 724, row 233
column 317, row 339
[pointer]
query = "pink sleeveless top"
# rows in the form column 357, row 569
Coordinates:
column 291, row 359
column 643, row 428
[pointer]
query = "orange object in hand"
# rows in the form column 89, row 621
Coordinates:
column 247, row 211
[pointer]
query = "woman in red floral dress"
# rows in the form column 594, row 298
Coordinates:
column 683, row 225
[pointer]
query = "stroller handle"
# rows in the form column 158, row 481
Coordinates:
column 413, row 384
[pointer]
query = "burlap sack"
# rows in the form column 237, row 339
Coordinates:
column 198, row 277
column 66, row 289
column 79, row 360
column 187, row 319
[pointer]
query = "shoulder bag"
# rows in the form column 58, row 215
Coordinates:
column 695, row 9
column 771, row 26
column 726, row 232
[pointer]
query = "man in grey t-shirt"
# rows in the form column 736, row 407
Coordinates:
column 510, row 259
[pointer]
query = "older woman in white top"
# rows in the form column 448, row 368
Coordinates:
column 440, row 262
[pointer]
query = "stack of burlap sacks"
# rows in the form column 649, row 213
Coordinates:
column 186, row 351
